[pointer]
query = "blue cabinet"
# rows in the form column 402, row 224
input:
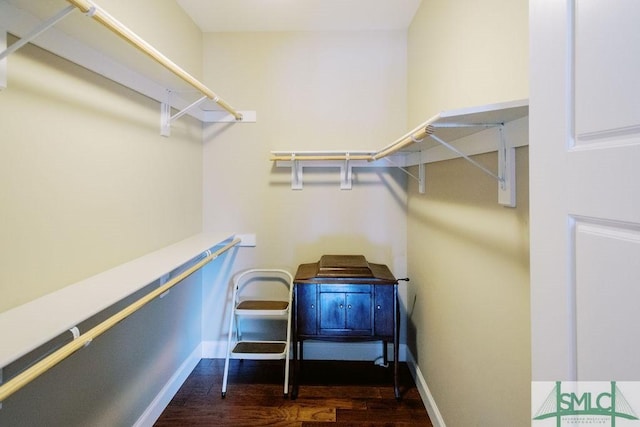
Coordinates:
column 361, row 310
column 345, row 299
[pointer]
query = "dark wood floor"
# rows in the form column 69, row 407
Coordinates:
column 338, row 393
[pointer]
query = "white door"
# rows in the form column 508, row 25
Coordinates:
column 585, row 189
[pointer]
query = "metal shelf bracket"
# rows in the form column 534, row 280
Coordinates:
column 165, row 113
column 506, row 172
column 346, row 174
column 39, row 29
column 296, row 173
column 506, row 175
column 211, row 116
column 44, row 26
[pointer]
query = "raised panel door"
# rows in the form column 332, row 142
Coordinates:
column 585, row 191
column 306, row 309
column 332, row 311
column 383, row 310
column 358, row 312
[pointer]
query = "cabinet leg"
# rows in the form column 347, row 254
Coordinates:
column 396, row 345
column 396, row 386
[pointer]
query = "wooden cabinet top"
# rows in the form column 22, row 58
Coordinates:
column 344, row 269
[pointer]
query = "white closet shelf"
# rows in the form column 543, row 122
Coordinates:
column 27, row 327
column 101, row 48
column 431, row 141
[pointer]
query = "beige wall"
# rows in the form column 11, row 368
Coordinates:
column 464, row 53
column 467, row 255
column 164, row 25
column 311, row 91
column 86, row 181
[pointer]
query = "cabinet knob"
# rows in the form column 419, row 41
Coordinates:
column 378, row 306
column 349, row 306
column 313, row 306
column 341, row 305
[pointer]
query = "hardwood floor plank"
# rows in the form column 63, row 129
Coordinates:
column 249, row 415
column 331, row 394
column 335, row 402
column 367, row 424
column 354, row 392
column 375, row 415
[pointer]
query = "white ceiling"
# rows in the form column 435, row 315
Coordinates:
column 300, row 15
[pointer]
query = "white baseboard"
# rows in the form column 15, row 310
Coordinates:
column 427, row 398
column 214, row 349
column 158, row 405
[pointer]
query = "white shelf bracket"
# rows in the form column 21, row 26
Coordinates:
column 506, row 167
column 507, row 172
column 346, row 174
column 44, row 26
column 422, row 178
column 6, row 51
column 75, row 332
column 296, row 173
column 165, row 116
column 464, row 156
column 165, row 113
column 164, row 279
column 421, row 169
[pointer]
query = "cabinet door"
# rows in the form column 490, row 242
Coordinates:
column 345, row 310
column 383, row 310
column 306, row 309
column 358, row 311
column 332, row 310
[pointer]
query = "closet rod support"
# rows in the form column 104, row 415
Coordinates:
column 165, row 113
column 422, row 178
column 465, row 156
column 403, row 169
column 184, row 111
column 75, row 332
column 346, row 174
column 507, row 171
column 296, row 173
column 44, row 26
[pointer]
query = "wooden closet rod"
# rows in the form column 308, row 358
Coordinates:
column 118, row 28
column 412, row 137
column 289, row 157
column 33, row 372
